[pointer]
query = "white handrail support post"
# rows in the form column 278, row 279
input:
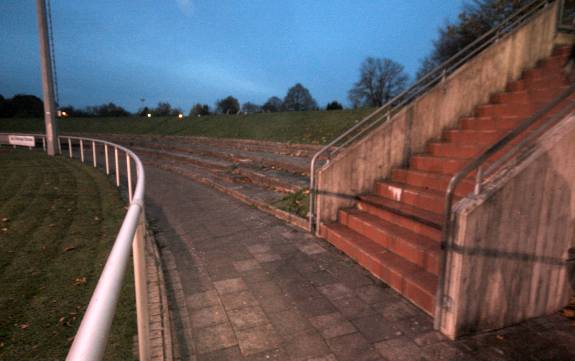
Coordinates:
column 117, row 166
column 70, row 147
column 94, row 160
column 82, row 150
column 129, row 173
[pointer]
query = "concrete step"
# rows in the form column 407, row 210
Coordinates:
column 432, row 181
column 413, row 282
column 430, row 200
column 453, row 150
column 415, row 248
column 479, row 137
column 490, row 123
column 443, row 165
column 415, row 219
column 507, row 109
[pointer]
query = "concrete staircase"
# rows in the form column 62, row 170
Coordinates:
column 395, row 231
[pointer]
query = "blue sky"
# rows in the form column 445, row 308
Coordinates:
column 188, row 51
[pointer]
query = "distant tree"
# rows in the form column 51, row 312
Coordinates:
column 23, row 105
column 228, row 105
column 298, row 98
column 200, row 110
column 334, row 106
column 73, row 112
column 143, row 112
column 251, row 108
column 107, row 110
column 274, row 104
column 476, row 18
column 2, row 106
column 379, row 81
column 163, row 109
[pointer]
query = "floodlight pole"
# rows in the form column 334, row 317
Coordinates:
column 47, row 81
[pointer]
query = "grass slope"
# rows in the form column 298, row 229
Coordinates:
column 58, row 221
column 314, row 127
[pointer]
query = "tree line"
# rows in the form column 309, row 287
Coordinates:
column 380, row 79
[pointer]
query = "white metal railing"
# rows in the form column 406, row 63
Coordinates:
column 92, row 336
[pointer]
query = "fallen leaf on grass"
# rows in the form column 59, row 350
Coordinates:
column 569, row 313
column 500, row 338
column 96, row 218
column 80, row 281
column 69, row 248
column 23, row 326
column 5, row 219
column 4, row 229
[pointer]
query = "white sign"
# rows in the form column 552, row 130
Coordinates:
column 24, row 140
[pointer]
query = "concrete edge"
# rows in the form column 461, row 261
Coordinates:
column 160, row 325
column 287, row 217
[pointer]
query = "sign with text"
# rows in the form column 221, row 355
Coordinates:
column 23, row 140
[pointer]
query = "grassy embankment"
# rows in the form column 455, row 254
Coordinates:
column 313, row 127
column 58, row 221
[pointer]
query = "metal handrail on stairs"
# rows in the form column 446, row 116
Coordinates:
column 434, row 77
column 482, row 176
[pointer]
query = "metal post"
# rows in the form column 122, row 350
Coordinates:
column 94, row 160
column 70, row 147
column 81, row 150
column 107, row 159
column 139, row 254
column 117, row 167
column 47, row 80
column 478, row 177
column 129, row 173
column 44, row 143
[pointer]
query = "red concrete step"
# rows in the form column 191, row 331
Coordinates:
column 433, row 181
column 430, row 163
column 555, row 81
column 415, row 219
column 454, row 150
column 511, row 97
column 561, row 51
column 415, row 248
column 503, row 110
column 411, row 281
column 490, row 123
column 477, row 137
column 427, row 199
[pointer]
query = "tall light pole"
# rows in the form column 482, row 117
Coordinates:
column 47, row 81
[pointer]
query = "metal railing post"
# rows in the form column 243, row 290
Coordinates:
column 94, row 160
column 117, row 167
column 107, row 159
column 59, row 146
column 44, row 143
column 70, row 148
column 141, row 288
column 82, row 150
column 129, row 174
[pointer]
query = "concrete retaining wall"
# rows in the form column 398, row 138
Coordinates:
column 355, row 169
column 512, row 241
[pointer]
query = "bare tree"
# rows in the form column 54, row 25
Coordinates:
column 298, row 98
column 380, row 80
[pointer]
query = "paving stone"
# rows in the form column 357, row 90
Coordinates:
column 247, row 317
column 306, row 345
column 352, row 307
column 310, row 248
column 256, row 276
column 231, row 353
column 332, row 325
column 277, row 354
column 275, row 303
column 336, row 291
column 230, row 286
column 301, row 291
column 257, row 339
column 267, row 257
column 429, row 338
column 223, row 273
column 353, row 347
column 215, row 338
column 232, row 301
column 415, row 326
column 444, row 351
column 376, row 328
column 320, row 278
column 330, row 357
column 208, row 316
column 396, row 311
column 203, row 300
column 399, row 349
column 288, row 323
column 259, row 248
column 376, row 294
column 246, row 265
column 315, row 306
column 266, row 288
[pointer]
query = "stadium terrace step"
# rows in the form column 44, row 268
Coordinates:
column 395, row 231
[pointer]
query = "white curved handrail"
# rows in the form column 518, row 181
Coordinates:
column 92, row 336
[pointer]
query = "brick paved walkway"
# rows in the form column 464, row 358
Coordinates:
column 245, row 286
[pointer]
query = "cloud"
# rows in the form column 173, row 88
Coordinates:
column 186, row 7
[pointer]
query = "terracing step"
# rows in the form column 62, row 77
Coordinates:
column 413, row 282
column 427, row 199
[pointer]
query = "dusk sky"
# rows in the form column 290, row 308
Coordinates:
column 188, row 51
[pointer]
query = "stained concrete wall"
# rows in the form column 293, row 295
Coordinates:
column 355, row 169
column 512, row 241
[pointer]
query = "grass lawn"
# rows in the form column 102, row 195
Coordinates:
column 58, row 221
column 313, row 127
